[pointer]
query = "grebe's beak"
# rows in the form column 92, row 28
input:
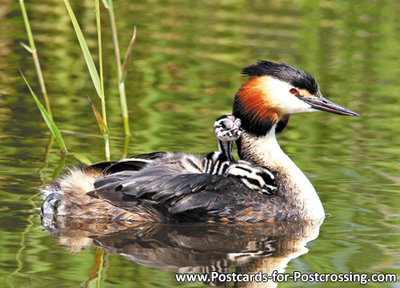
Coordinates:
column 320, row 103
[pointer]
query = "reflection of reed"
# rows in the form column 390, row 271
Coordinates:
column 199, row 248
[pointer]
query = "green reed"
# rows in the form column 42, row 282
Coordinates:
column 47, row 118
column 121, row 68
column 46, row 112
column 32, row 49
column 96, row 77
column 97, row 80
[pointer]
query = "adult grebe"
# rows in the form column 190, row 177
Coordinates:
column 169, row 187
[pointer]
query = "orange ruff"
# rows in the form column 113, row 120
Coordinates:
column 254, row 98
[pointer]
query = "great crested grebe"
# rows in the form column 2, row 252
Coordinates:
column 168, row 187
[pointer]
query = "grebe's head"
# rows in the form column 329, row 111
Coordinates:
column 227, row 128
column 273, row 92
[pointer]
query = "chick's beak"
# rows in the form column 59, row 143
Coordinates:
column 320, row 103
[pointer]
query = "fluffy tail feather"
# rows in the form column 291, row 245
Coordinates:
column 68, row 197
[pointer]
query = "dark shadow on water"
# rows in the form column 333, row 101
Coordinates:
column 204, row 248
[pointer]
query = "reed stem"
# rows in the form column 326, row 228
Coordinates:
column 124, row 108
column 107, row 147
column 114, row 34
column 103, row 98
column 121, row 85
column 36, row 61
column 126, row 146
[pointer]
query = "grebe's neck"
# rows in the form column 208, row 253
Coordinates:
column 226, row 148
column 293, row 185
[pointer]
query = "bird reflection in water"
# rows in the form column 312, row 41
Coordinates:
column 197, row 248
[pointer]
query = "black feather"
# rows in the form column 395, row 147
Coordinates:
column 250, row 120
column 110, row 167
column 100, row 166
column 283, row 72
column 151, row 156
column 282, row 123
column 165, row 193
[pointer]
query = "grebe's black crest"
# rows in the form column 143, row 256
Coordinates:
column 283, row 72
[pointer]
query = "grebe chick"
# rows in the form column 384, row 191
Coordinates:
column 168, row 187
column 227, row 130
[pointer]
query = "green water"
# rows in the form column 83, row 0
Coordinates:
column 185, row 71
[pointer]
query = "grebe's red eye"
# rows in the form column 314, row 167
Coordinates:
column 294, row 91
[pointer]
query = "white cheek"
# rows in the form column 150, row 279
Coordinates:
column 285, row 101
column 292, row 104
